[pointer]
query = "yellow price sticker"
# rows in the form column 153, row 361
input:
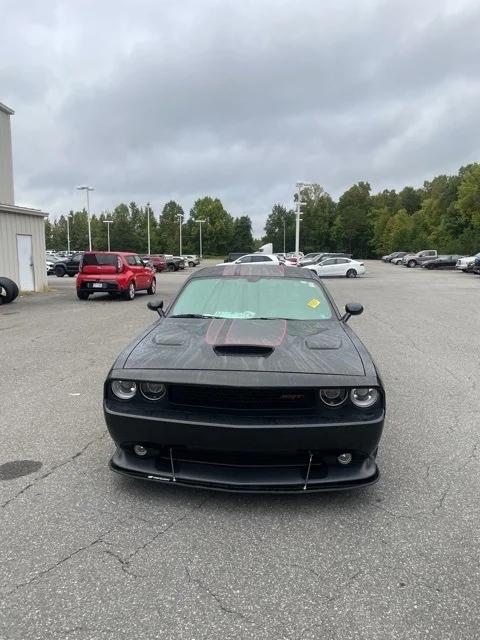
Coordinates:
column 313, row 303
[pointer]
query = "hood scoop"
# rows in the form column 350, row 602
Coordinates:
column 243, row 350
column 169, row 339
column 323, row 342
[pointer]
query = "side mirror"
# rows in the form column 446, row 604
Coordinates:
column 156, row 305
column 352, row 309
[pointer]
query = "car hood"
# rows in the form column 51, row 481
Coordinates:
column 290, row 346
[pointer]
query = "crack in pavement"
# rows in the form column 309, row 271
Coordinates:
column 221, row 605
column 439, row 506
column 44, row 572
column 48, row 473
column 125, row 563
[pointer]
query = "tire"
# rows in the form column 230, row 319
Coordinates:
column 191, row 264
column 411, row 264
column 71, row 275
column 351, row 273
column 8, row 290
column 82, row 295
column 129, row 293
column 170, row 267
column 152, row 288
column 60, row 271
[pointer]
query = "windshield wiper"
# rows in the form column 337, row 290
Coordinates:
column 271, row 318
column 191, row 315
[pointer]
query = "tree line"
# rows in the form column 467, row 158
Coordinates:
column 443, row 214
column 221, row 232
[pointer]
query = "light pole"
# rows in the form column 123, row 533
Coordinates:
column 148, row 228
column 284, row 252
column 200, row 222
column 180, row 217
column 108, row 223
column 298, row 212
column 68, row 233
column 88, row 189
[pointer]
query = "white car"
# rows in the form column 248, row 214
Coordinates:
column 251, row 258
column 465, row 262
column 337, row 267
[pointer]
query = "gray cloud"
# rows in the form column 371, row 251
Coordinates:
column 154, row 100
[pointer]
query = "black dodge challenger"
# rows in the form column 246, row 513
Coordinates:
column 251, row 380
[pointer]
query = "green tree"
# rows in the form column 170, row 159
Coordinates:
column 218, row 228
column 353, row 227
column 121, row 230
column 410, row 199
column 468, row 203
column 280, row 225
column 400, row 231
column 242, row 234
column 318, row 213
column 168, row 230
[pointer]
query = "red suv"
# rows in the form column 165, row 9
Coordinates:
column 116, row 273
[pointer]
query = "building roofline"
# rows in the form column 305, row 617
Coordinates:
column 28, row 211
column 5, row 109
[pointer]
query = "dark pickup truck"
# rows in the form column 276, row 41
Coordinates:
column 68, row 267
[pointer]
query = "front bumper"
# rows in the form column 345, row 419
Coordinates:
column 271, row 457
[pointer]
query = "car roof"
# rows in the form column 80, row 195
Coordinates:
column 256, row 269
column 112, row 253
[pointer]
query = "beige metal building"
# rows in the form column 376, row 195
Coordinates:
column 22, row 230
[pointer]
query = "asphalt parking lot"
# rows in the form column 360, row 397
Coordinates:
column 86, row 554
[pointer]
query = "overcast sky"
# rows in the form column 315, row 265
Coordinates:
column 149, row 100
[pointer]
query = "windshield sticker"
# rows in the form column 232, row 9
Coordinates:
column 313, row 303
column 235, row 315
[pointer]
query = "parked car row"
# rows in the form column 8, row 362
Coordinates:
column 323, row 264
column 409, row 259
column 429, row 259
column 69, row 265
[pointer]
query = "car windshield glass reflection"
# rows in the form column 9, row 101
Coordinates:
column 248, row 299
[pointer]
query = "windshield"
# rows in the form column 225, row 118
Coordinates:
column 248, row 298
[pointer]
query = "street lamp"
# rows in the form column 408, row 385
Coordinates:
column 298, row 212
column 68, row 233
column 200, row 222
column 108, row 223
column 148, row 228
column 88, row 189
column 180, row 217
column 284, row 252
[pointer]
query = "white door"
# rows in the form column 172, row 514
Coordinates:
column 25, row 262
column 327, row 268
column 342, row 266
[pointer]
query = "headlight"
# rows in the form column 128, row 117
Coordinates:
column 152, row 390
column 333, row 397
column 124, row 389
column 364, row 397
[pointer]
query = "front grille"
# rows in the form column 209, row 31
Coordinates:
column 241, row 399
